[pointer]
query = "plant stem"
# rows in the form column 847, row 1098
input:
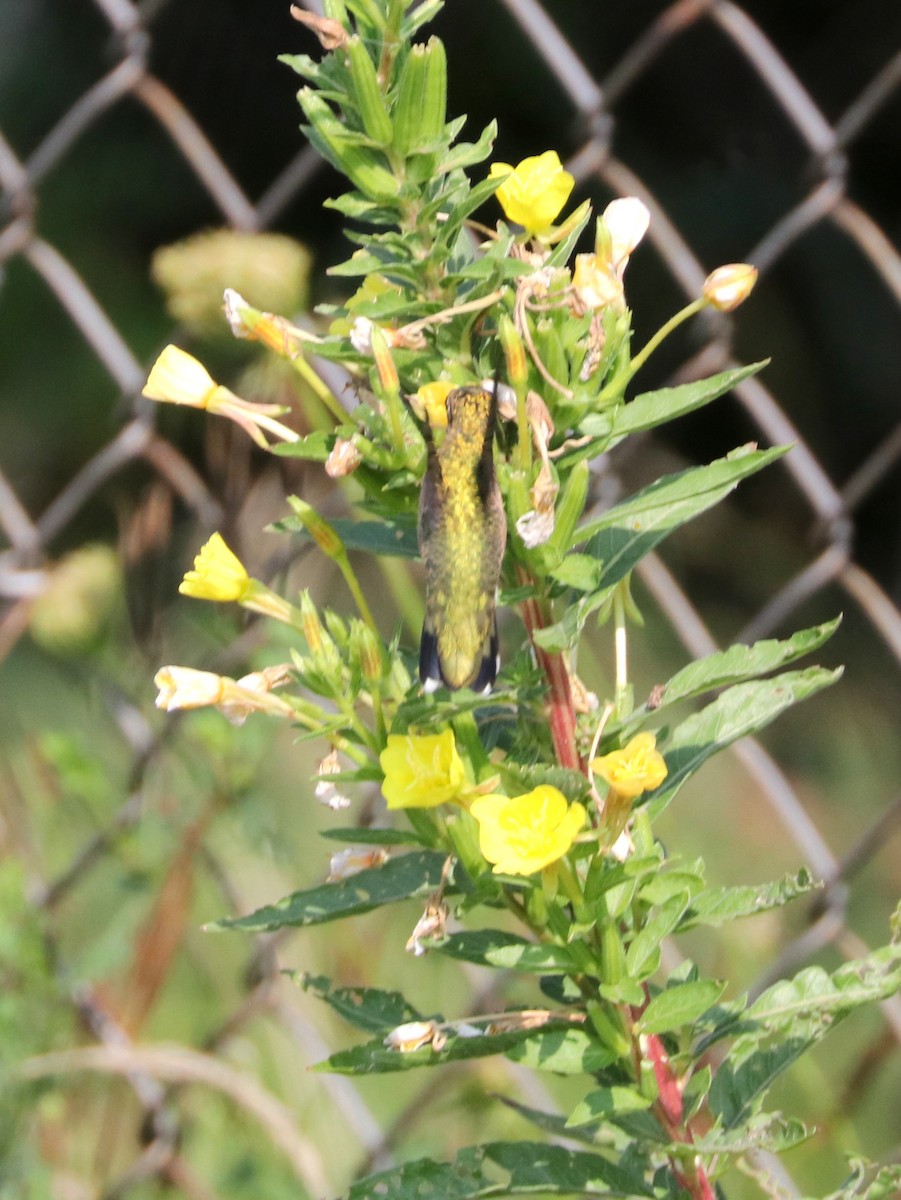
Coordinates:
column 561, row 714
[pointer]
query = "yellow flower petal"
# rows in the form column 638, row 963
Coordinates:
column 534, row 191
column 421, row 770
column 178, row 378
column 522, row 835
column 638, row 767
column 218, row 574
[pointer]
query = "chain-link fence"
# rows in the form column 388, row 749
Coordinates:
column 617, row 100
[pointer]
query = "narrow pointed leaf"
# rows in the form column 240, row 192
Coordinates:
column 370, row 1009
column 507, row 951
column 738, row 664
column 718, row 905
column 651, row 409
column 401, row 878
column 503, row 1169
column 564, row 1050
column 741, row 710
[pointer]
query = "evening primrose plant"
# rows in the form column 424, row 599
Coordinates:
column 487, row 345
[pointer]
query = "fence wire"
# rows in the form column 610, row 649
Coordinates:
column 824, row 177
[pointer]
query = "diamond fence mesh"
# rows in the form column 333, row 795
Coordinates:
column 800, row 135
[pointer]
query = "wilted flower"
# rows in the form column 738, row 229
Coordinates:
column 638, row 767
column 533, row 193
column 432, row 924
column 727, row 287
column 537, row 525
column 523, row 835
column 343, row 459
column 178, row 378
column 354, row 859
column 414, row 1034
column 598, row 277
column 325, row 791
column 421, row 770
column 184, row 687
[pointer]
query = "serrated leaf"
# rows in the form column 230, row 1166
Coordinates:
column 718, row 905
column 738, row 664
column 507, row 951
column 401, row 878
column 605, row 1103
column 370, row 1009
column 503, row 1169
column 561, row 1049
column 680, row 1005
column 793, row 1015
column 763, row 1131
column 741, row 710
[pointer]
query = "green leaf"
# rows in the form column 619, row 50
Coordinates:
column 579, row 571
column 495, row 948
column 623, row 535
column 660, row 924
column 786, row 1020
column 369, row 1009
column 651, row 409
column 718, row 905
column 680, row 1005
column 741, row 710
column 563, row 1050
column 763, row 1131
column 391, row 539
column 736, row 665
column 503, row 1169
column 607, row 1102
column 401, row 878
column 373, row 836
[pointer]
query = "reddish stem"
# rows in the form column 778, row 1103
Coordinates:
column 669, row 1108
column 561, row 714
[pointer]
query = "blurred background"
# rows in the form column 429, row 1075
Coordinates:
column 160, row 1060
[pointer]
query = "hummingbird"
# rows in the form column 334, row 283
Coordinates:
column 462, row 534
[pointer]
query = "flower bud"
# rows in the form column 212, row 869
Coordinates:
column 318, row 528
column 514, row 352
column 727, row 287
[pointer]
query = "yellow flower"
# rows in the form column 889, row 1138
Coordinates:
column 534, row 191
column 525, row 834
column 637, row 767
column 178, row 378
column 421, row 770
column 429, row 402
column 218, row 574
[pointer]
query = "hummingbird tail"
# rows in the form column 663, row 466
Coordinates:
column 433, row 676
